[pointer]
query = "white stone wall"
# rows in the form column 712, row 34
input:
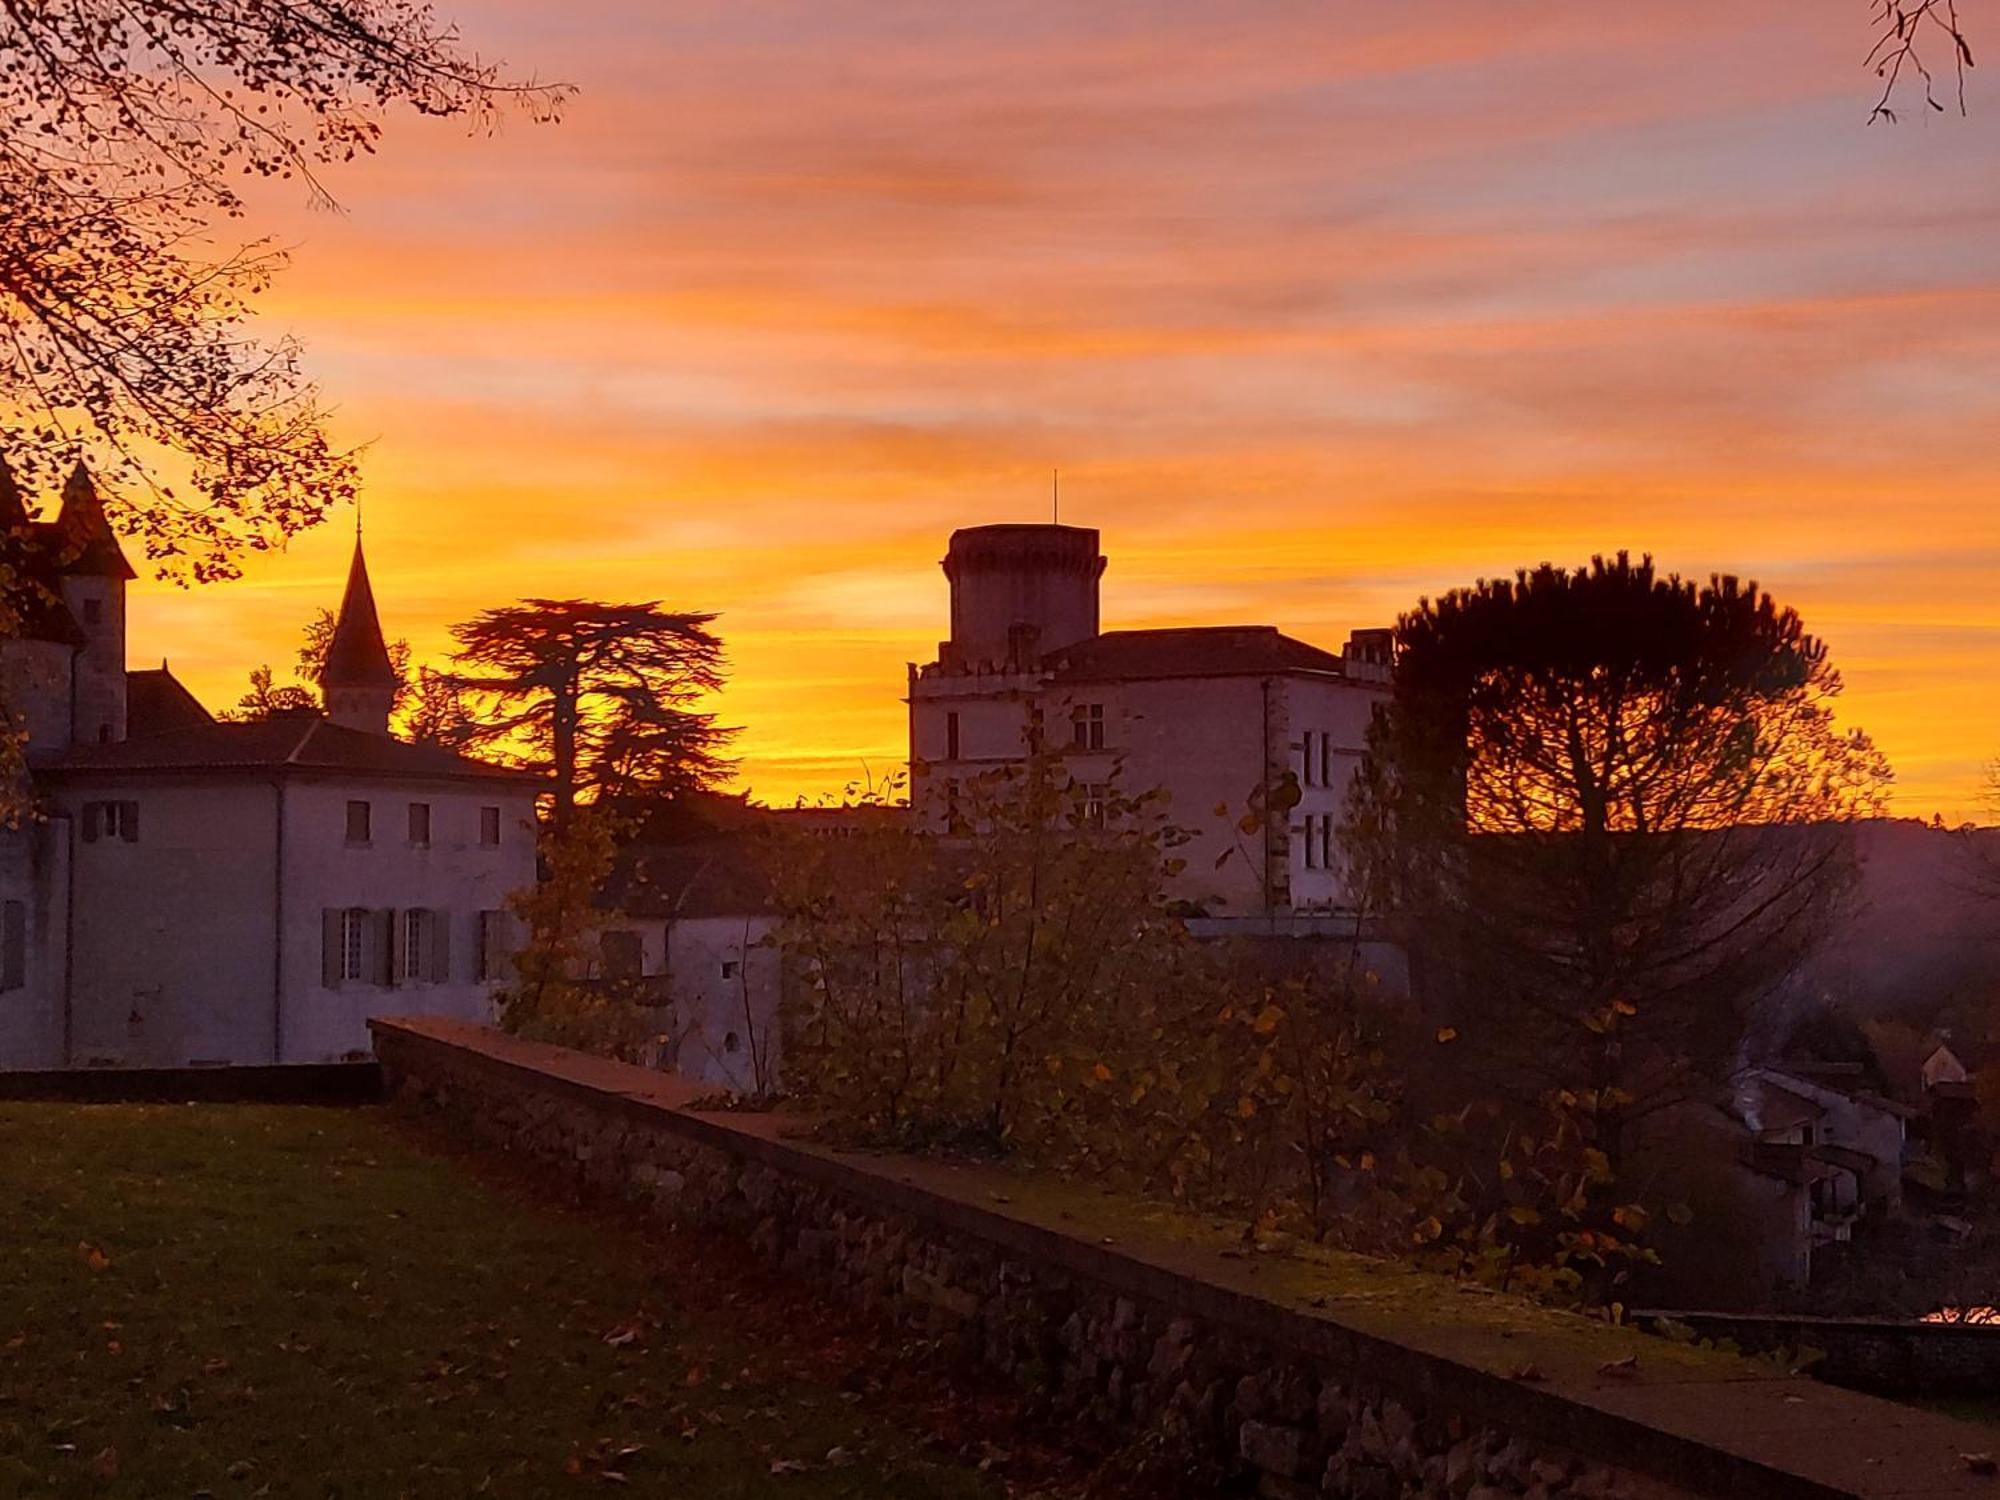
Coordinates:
column 727, row 1021
column 172, row 952
column 198, row 943
column 99, row 702
column 455, row 875
column 34, row 871
column 1204, row 741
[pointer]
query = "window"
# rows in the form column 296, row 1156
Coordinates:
column 111, row 820
column 732, row 1043
column 356, row 929
column 951, row 736
column 1316, row 759
column 420, row 824
column 1095, row 795
column 621, row 954
column 490, row 958
column 93, row 611
column 1326, row 843
column 13, row 944
column 360, row 827
column 417, row 939
column 489, row 826
column 731, row 968
column 1086, row 726
column 1312, row 841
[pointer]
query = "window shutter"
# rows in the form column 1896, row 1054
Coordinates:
column 128, row 821
column 331, row 943
column 91, row 812
column 383, row 968
column 13, row 945
column 399, row 945
column 440, row 926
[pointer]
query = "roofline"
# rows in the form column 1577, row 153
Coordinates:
column 1330, row 674
column 265, row 770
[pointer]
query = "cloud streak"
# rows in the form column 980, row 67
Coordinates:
column 1318, row 310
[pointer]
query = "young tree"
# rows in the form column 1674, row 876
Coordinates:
column 1610, row 810
column 557, row 994
column 601, row 696
column 266, row 697
column 126, row 130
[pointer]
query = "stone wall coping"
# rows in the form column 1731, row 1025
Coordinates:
column 1699, row 1316
column 1699, row 1420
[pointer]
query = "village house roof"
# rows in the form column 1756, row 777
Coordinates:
column 156, row 702
column 357, row 656
column 1190, row 651
column 287, row 743
column 721, row 876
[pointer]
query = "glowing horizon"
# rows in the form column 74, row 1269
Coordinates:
column 1316, row 312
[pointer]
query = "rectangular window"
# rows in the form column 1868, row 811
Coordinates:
column 951, row 736
column 13, row 945
column 1326, row 843
column 1086, row 726
column 416, row 946
column 489, row 826
column 93, row 611
column 356, row 929
column 731, row 968
column 360, row 824
column 420, row 824
column 1325, row 759
column 1312, row 841
column 1306, row 760
column 1095, row 795
column 111, row 820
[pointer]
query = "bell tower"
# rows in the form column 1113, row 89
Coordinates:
column 358, row 684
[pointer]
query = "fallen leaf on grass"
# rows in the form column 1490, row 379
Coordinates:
column 1980, row 1463
column 623, row 1334
column 104, row 1467
column 787, row 1466
column 1621, row 1369
column 1526, row 1372
column 91, row 1256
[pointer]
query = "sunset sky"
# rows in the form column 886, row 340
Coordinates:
column 1318, row 308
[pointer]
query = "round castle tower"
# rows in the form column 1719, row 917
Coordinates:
column 1019, row 592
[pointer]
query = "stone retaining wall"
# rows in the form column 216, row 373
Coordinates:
column 1231, row 1386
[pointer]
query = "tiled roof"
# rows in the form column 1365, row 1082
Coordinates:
column 157, row 703
column 1198, row 651
column 291, row 742
column 721, row 876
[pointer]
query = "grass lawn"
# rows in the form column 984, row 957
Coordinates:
column 251, row 1300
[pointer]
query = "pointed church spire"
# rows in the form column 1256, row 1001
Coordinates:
column 86, row 542
column 358, row 682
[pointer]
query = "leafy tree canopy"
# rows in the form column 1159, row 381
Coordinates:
column 128, row 129
column 603, row 697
